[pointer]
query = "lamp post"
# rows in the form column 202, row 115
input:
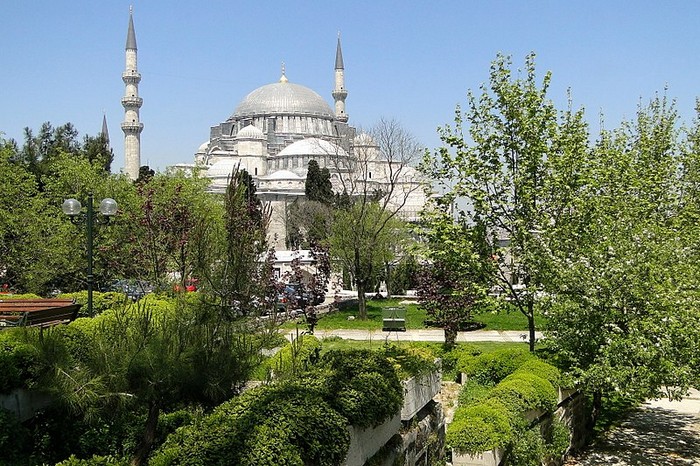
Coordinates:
column 74, row 210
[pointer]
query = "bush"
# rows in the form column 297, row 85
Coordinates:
column 295, row 357
column 287, row 423
column 13, row 437
column 409, row 361
column 20, row 362
column 491, row 368
column 522, row 392
column 479, row 428
column 94, row 461
column 101, row 302
column 541, row 369
column 473, row 392
column 362, row 386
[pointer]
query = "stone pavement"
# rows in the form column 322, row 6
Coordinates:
column 424, row 335
column 659, row 433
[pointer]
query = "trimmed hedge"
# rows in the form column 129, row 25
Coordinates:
column 293, row 422
column 294, row 357
column 491, row 368
column 480, row 427
column 284, row 424
column 524, row 384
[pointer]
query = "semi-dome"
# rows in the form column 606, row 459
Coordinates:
column 224, row 167
column 283, row 98
column 250, row 132
column 313, row 146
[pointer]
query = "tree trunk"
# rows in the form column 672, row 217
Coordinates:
column 450, row 335
column 531, row 325
column 388, row 280
column 149, row 435
column 361, row 301
column 595, row 409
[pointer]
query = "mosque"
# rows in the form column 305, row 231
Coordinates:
column 274, row 132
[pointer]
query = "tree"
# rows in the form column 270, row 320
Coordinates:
column 623, row 316
column 318, row 184
column 362, row 242
column 362, row 232
column 164, row 225
column 508, row 178
column 449, row 285
column 230, row 261
column 148, row 357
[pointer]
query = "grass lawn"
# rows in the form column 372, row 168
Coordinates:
column 508, row 319
column 334, row 342
column 339, row 319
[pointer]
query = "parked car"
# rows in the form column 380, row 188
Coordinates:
column 293, row 295
column 190, row 285
column 132, row 288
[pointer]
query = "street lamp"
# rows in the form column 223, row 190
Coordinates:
column 74, row 210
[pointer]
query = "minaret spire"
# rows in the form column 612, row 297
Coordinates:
column 340, row 93
column 131, row 102
column 105, row 132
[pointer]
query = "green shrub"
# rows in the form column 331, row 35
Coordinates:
column 541, row 369
column 491, row 368
column 94, row 461
column 361, row 385
column 528, row 448
column 409, row 361
column 101, row 302
column 286, row 423
column 13, row 437
column 21, row 365
column 479, row 428
column 295, row 357
column 522, row 392
column 473, row 392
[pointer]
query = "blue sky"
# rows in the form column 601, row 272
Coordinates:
column 412, row 61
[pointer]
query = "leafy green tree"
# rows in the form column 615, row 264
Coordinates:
column 163, row 226
column 229, row 260
column 449, row 283
column 367, row 220
column 361, row 243
column 318, row 184
column 623, row 315
column 508, row 177
column 151, row 356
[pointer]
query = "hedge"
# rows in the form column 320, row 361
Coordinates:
column 294, row 421
column 491, row 368
column 480, row 427
column 283, row 424
column 490, row 416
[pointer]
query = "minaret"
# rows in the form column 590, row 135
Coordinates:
column 340, row 93
column 105, row 131
column 131, row 102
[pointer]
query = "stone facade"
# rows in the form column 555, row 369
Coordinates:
column 278, row 128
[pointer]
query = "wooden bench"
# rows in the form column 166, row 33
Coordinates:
column 394, row 319
column 37, row 312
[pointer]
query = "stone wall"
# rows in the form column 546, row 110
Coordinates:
column 24, row 403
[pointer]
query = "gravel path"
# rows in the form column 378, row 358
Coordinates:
column 659, row 433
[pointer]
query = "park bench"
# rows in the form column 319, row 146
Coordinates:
column 394, row 319
column 37, row 312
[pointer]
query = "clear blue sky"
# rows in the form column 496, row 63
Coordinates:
column 61, row 61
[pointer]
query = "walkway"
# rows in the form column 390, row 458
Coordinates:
column 660, row 433
column 424, row 335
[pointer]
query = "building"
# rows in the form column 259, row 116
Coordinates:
column 278, row 128
column 131, row 102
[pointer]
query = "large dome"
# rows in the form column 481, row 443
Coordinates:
column 283, row 98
